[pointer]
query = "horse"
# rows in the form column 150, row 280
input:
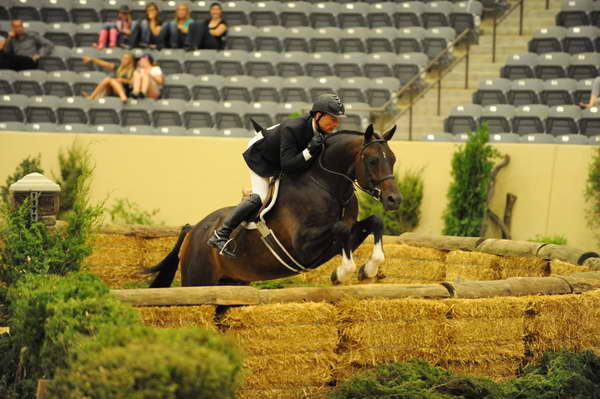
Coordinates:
column 314, row 216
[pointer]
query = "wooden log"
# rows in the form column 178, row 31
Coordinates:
column 586, row 275
column 515, row 286
column 449, row 243
column 565, row 253
column 41, row 389
column 509, row 247
column 582, row 284
column 490, row 194
column 508, row 209
column 496, row 220
column 221, row 295
column 594, row 263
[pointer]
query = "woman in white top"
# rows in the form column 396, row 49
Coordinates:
column 147, row 79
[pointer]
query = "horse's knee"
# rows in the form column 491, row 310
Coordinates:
column 340, row 229
column 377, row 224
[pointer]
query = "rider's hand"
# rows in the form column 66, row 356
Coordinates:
column 316, row 145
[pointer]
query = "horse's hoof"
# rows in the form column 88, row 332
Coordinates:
column 380, row 276
column 334, row 278
column 362, row 274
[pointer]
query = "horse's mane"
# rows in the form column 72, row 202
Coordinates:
column 345, row 133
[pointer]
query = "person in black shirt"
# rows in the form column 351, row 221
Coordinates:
column 286, row 148
column 208, row 34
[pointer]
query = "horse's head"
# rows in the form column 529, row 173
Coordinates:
column 374, row 168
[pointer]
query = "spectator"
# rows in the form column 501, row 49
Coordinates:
column 2, row 42
column 147, row 79
column 593, row 95
column 116, row 33
column 147, row 32
column 22, row 49
column 119, row 84
column 176, row 31
column 209, row 34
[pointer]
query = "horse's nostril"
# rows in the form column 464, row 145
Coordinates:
column 391, row 199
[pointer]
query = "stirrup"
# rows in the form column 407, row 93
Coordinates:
column 224, row 247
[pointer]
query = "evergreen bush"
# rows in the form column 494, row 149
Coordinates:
column 27, row 166
column 472, row 166
column 408, row 215
column 76, row 170
column 125, row 211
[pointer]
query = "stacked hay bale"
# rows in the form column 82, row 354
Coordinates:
column 178, row 316
column 486, row 336
column 466, row 265
column 559, row 267
column 290, row 348
column 378, row 331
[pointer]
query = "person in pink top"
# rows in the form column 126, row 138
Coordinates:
column 116, row 33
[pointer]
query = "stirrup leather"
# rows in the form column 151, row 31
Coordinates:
column 224, row 245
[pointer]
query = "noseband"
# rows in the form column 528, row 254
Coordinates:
column 372, row 188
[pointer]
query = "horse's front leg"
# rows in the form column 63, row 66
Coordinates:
column 343, row 234
column 360, row 230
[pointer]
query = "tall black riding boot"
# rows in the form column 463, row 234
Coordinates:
column 244, row 211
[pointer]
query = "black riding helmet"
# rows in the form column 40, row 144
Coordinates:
column 329, row 103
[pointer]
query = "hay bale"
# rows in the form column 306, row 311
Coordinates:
column 496, row 370
column 403, row 251
column 560, row 267
column 295, row 393
column 104, row 240
column 412, row 269
column 178, row 316
column 523, row 266
column 463, row 265
column 119, row 276
column 514, row 286
column 118, row 256
column 377, row 331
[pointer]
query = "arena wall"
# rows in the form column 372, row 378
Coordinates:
column 188, row 177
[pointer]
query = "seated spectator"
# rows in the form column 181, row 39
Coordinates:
column 22, row 49
column 147, row 79
column 116, row 33
column 209, row 34
column 147, row 32
column 119, row 84
column 176, row 31
column 2, row 41
column 594, row 95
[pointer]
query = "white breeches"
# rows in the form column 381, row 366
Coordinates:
column 260, row 185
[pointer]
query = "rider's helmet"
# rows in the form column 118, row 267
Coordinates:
column 329, row 103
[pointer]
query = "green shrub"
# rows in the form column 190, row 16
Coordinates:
column 143, row 362
column 407, row 216
column 592, row 191
column 68, row 321
column 472, row 166
column 416, row 379
column 27, row 166
column 76, row 170
column 128, row 212
column 556, row 239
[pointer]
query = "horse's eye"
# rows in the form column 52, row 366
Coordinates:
column 373, row 162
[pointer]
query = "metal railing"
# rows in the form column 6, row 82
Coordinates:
column 497, row 21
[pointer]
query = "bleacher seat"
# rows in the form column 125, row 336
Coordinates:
column 293, row 14
column 409, row 14
column 580, row 39
column 583, row 92
column 350, row 65
column 61, row 34
column 167, row 112
column 520, row 66
column 492, row 91
column 548, row 40
column 352, row 40
column 262, row 63
column 137, row 113
column 59, row 83
column 199, row 114
column 558, row 92
column 584, row 66
column 267, row 88
column 26, row 10
column 381, row 15
column 538, row 138
column 28, row 82
column 238, row 88
column 269, row 38
column 265, row 13
column 574, row 13
column 41, row 109
column 199, row 62
column 241, row 37
column 572, row 139
column 563, row 119
column 463, row 118
column 436, row 14
column 498, row 117
column 228, row 115
column 525, row 91
column 105, row 111
column 589, row 122
column 73, row 110
column 552, row 66
column 52, row 11
column 12, row 108
column 209, row 88
column 86, row 11
column 530, row 119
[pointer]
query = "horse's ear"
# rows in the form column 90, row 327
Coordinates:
column 258, row 128
column 389, row 134
column 369, row 133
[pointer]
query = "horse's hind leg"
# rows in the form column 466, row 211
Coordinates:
column 360, row 230
column 343, row 234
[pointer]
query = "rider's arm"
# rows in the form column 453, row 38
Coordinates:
column 293, row 159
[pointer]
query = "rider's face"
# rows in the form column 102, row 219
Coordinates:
column 328, row 123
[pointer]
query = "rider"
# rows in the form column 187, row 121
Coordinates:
column 286, row 148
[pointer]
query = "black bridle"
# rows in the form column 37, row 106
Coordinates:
column 372, row 188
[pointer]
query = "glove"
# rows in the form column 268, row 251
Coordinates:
column 316, row 145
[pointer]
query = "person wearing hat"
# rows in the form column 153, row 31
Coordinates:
column 147, row 78
column 116, row 33
column 287, row 148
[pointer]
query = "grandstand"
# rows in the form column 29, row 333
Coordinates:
column 280, row 55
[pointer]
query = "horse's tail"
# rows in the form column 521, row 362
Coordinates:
column 168, row 266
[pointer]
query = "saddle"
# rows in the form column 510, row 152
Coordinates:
column 267, row 205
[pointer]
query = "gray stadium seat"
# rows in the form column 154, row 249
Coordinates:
column 87, row 33
column 467, row 15
column 53, row 11
column 105, row 129
column 86, row 81
column 381, row 40
column 505, row 138
column 262, row 63
column 138, row 130
column 381, row 14
column 265, row 13
column 75, row 61
column 525, row 91
column 580, row 39
column 325, row 40
column 589, row 123
column 552, row 66
column 295, row 13
column 382, row 90
column 296, row 39
column 12, row 107
column 73, row 110
column 86, row 11
column 241, row 37
column 584, row 66
column 137, row 113
column 574, row 13
column 26, row 10
column 408, row 14
column 6, row 80
column 548, row 40
column 74, row 128
column 178, row 86
column 172, row 131
column 44, row 127
column 56, row 61
column 59, row 84
column 463, row 119
column 105, row 111
column 295, row 89
column 269, row 38
column 320, row 64
column 436, row 14
column 61, row 34
column 352, row 95
column 168, row 112
column 208, row 87
column 228, row 115
column 41, row 109
column 28, row 83
column 323, row 85
column 349, row 65
column 437, row 40
column 529, row 119
column 291, row 108
column 238, row 88
column 563, row 119
column 236, row 12
column 13, row 127
column 204, row 132
column 520, row 66
column 324, row 15
column 352, row 40
column 583, row 92
column 262, row 112
column 407, row 66
column 559, row 92
column 110, row 10
column 492, row 91
column 169, row 62
column 380, row 65
column 199, row 114
column 409, row 40
column 355, row 120
column 353, row 15
column 200, row 62
column 267, row 88
column 498, row 117
column 230, row 62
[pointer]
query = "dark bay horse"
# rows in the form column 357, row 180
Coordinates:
column 315, row 218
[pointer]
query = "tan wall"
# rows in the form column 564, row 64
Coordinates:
column 188, row 177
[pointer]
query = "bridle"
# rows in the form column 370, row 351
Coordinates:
column 372, row 188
